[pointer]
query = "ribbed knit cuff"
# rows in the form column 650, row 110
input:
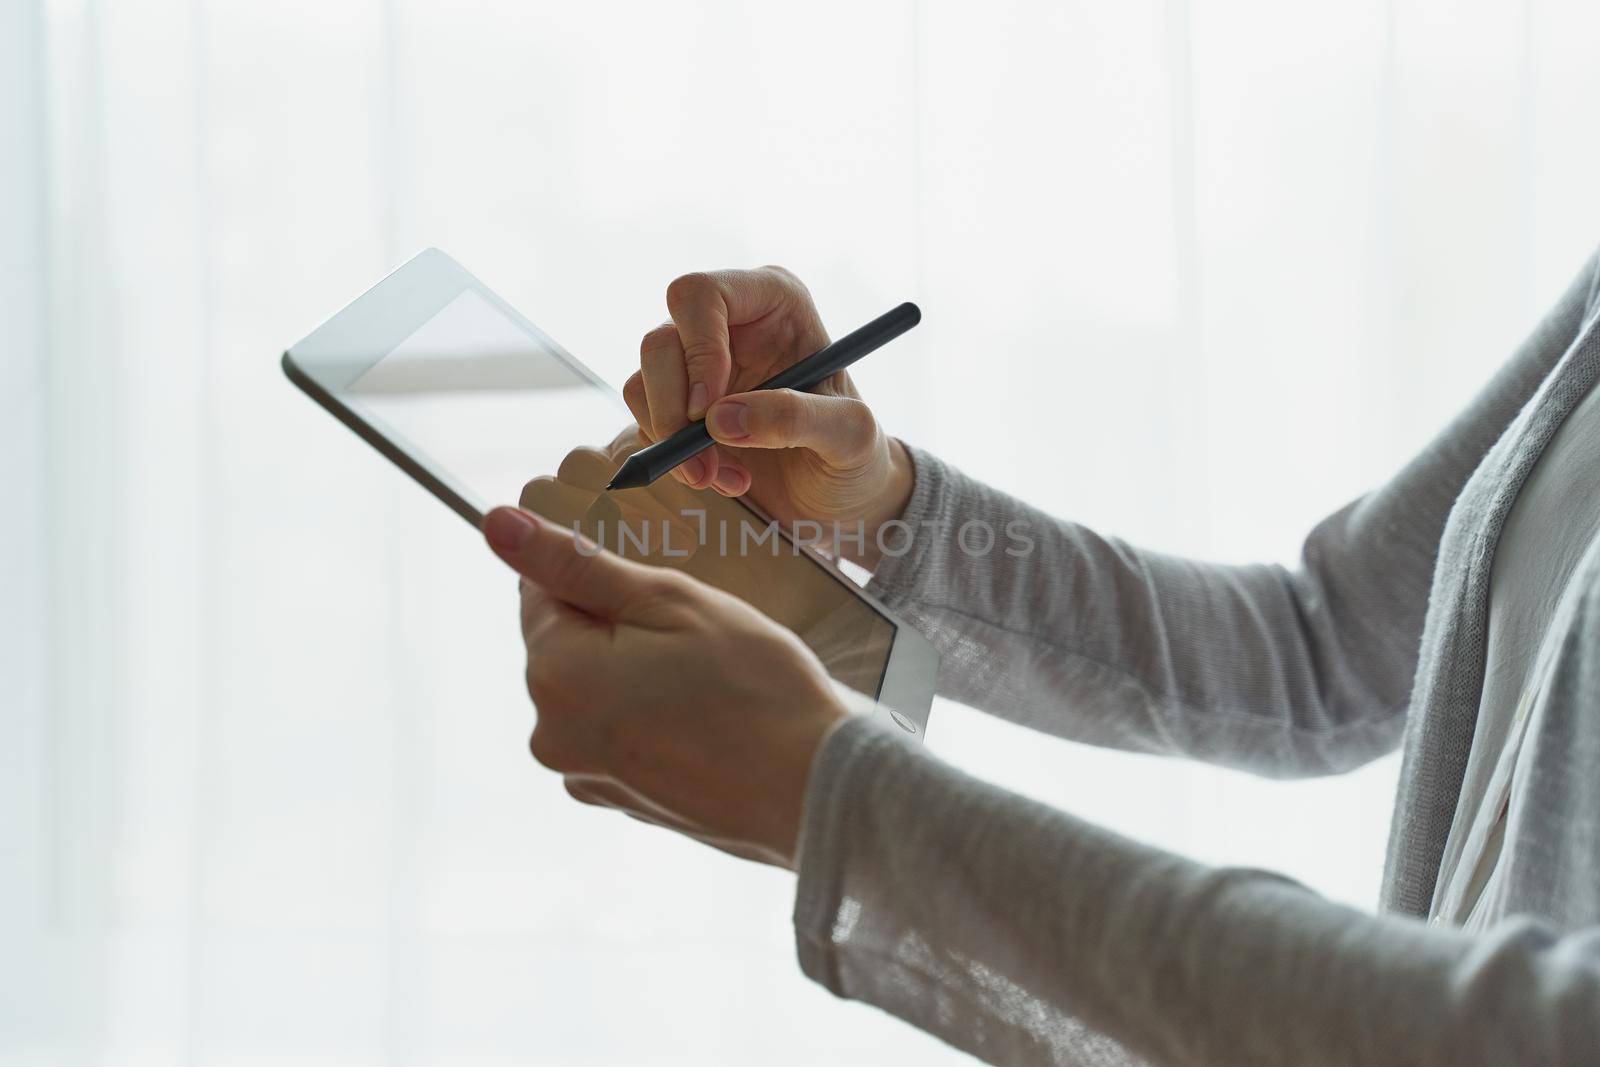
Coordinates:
column 844, row 765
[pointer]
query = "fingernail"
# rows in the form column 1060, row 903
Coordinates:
column 699, row 396
column 731, row 481
column 509, row 529
column 694, row 469
column 729, row 421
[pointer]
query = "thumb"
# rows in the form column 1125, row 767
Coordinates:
column 840, row 429
column 577, row 573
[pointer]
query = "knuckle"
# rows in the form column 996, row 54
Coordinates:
column 530, row 490
column 859, row 425
column 786, row 416
column 540, row 684
column 566, row 565
column 578, row 467
column 626, row 441
column 633, row 389
column 549, row 672
column 690, row 288
column 658, row 342
column 701, row 354
column 665, row 587
column 676, row 584
column 786, row 276
column 633, row 394
column 545, row 750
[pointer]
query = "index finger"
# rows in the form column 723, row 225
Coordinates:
column 703, row 306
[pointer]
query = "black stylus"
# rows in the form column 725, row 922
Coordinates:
column 648, row 464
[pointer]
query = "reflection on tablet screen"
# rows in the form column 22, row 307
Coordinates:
column 502, row 416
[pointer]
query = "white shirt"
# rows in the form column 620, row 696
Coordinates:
column 1550, row 528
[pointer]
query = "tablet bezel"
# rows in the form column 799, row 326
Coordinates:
column 370, row 327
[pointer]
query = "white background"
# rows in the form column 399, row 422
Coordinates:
column 1193, row 275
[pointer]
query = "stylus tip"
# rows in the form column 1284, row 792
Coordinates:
column 631, row 475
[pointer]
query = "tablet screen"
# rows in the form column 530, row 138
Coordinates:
column 502, row 415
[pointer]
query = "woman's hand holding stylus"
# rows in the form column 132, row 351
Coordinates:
column 818, row 456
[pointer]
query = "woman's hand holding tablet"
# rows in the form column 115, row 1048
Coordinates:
column 662, row 697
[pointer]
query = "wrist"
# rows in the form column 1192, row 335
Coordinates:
column 783, row 846
column 900, row 481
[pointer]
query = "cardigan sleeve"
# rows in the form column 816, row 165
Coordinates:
column 1282, row 671
column 1023, row 935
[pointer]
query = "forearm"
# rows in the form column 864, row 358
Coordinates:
column 1087, row 637
column 1277, row 670
column 1020, row 933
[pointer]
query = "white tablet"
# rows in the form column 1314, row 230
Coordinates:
column 478, row 405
